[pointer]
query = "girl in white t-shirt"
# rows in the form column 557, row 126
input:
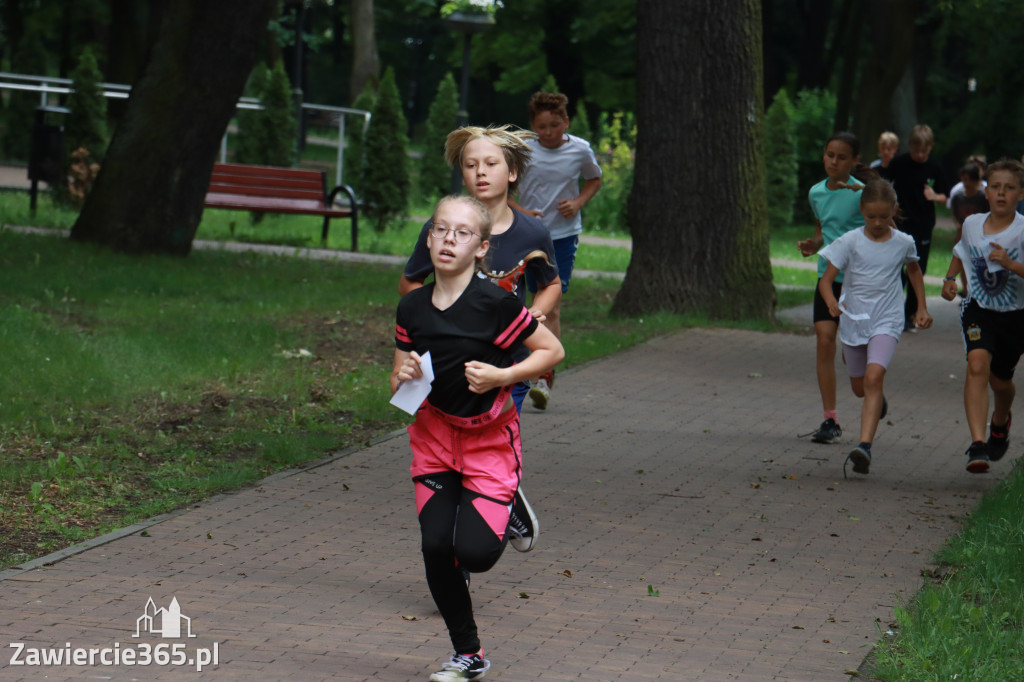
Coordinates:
column 870, row 308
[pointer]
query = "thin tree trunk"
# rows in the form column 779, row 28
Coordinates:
column 149, row 194
column 697, row 210
column 365, row 60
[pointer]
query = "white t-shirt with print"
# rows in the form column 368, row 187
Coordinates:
column 872, row 300
column 991, row 285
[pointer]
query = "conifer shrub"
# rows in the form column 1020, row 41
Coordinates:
column 580, row 124
column 385, row 180
column 267, row 136
column 435, row 175
column 781, row 178
column 355, row 141
column 86, row 125
column 30, row 56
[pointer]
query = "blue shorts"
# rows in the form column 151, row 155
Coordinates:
column 565, row 259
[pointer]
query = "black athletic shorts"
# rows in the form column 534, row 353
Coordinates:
column 821, row 313
column 1000, row 333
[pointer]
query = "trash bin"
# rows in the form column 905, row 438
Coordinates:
column 46, row 155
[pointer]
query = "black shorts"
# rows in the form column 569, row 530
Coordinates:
column 1000, row 333
column 821, row 313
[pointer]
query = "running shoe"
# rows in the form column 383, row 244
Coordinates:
column 523, row 526
column 829, row 432
column 540, row 393
column 861, row 459
column 462, row 667
column 977, row 458
column 998, row 440
column 885, row 408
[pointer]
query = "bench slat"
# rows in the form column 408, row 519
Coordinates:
column 220, row 188
column 269, row 189
column 268, row 171
column 273, row 205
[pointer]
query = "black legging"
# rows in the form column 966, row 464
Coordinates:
column 475, row 548
column 924, row 245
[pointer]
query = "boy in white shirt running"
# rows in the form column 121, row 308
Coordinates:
column 550, row 190
column 990, row 254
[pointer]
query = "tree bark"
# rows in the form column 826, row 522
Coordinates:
column 892, row 27
column 697, row 210
column 149, row 195
column 365, row 60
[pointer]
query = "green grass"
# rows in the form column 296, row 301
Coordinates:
column 135, row 385
column 968, row 621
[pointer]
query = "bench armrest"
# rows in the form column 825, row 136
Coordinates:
column 354, row 204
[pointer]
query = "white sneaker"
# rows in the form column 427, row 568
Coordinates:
column 540, row 393
column 523, row 526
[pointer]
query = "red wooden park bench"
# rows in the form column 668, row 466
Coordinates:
column 268, row 189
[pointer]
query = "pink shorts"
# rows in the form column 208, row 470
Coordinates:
column 488, row 454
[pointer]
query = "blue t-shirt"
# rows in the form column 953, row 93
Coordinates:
column 838, row 211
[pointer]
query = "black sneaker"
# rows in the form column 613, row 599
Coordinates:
column 998, row 440
column 523, row 526
column 977, row 458
column 829, row 432
column 885, row 408
column 861, row 459
column 462, row 667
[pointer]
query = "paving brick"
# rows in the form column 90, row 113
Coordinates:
column 674, row 465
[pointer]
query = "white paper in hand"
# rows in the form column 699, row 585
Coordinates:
column 411, row 394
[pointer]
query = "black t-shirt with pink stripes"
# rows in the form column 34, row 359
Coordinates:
column 486, row 323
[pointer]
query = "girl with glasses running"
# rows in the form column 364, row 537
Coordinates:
column 466, row 461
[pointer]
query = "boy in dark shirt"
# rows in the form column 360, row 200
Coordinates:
column 920, row 183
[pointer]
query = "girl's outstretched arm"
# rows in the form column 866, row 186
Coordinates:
column 545, row 352
column 809, row 247
column 916, row 278
column 825, row 288
column 406, row 367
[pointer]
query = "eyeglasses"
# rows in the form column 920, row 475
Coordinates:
column 462, row 235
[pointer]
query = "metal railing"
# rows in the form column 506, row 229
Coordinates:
column 48, row 86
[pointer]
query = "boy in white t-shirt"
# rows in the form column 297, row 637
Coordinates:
column 870, row 308
column 550, row 190
column 992, row 316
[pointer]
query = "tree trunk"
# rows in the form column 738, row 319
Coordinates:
column 892, row 27
column 697, row 209
column 148, row 197
column 365, row 60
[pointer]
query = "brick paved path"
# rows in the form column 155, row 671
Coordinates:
column 673, row 467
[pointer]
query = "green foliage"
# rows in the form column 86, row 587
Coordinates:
column 355, row 141
column 267, row 136
column 607, row 210
column 813, row 118
column 550, row 85
column 29, row 57
column 780, row 161
column 385, row 178
column 86, row 125
column 581, row 123
column 435, row 175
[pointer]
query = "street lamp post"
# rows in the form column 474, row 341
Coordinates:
column 467, row 24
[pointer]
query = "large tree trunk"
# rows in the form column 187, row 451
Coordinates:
column 697, row 210
column 365, row 60
column 149, row 194
column 892, row 27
